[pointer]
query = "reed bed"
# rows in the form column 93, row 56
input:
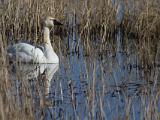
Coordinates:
column 94, row 22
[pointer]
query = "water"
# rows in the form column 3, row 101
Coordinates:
column 89, row 87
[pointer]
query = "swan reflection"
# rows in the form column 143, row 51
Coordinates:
column 24, row 73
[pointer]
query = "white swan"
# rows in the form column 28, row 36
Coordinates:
column 28, row 53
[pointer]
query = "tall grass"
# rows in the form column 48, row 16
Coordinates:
column 95, row 22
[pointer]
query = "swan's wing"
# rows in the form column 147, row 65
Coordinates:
column 40, row 47
column 26, row 53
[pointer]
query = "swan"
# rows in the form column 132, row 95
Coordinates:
column 28, row 53
column 42, row 56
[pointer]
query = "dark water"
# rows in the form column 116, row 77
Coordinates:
column 114, row 87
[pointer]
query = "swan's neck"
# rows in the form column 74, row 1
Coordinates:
column 46, row 35
column 49, row 52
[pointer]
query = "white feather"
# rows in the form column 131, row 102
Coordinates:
column 25, row 52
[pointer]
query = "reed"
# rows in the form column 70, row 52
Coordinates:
column 94, row 22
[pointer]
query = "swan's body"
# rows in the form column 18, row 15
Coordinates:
column 28, row 53
column 25, row 52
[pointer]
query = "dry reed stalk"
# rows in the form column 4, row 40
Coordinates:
column 22, row 20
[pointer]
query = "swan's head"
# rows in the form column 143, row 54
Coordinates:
column 50, row 22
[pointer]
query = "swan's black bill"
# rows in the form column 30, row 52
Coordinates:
column 57, row 22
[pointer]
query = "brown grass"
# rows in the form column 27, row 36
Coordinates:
column 21, row 19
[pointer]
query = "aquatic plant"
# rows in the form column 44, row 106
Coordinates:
column 90, row 24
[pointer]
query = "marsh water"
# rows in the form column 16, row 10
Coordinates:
column 99, row 76
column 111, row 86
column 92, row 87
column 114, row 86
